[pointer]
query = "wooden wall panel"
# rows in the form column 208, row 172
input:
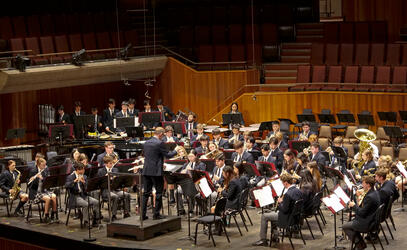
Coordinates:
column 271, row 106
column 204, row 92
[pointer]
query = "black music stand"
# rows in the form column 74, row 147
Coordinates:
column 251, row 170
column 124, row 167
column 170, row 146
column 394, row 132
column 299, row 145
column 266, row 126
column 84, row 122
column 210, row 164
column 189, row 191
column 333, row 174
column 135, row 132
column 346, row 118
column 388, row 117
column 306, row 117
column 403, row 115
column 366, row 119
column 60, row 132
column 326, row 118
column 92, row 185
column 232, row 119
column 91, row 172
column 149, row 119
column 15, row 133
column 122, row 122
column 340, row 154
column 266, row 169
column 179, row 127
column 198, row 174
column 176, row 179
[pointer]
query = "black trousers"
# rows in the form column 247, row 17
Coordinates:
column 148, row 183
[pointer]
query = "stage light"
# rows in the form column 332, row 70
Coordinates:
column 124, row 52
column 21, row 62
column 77, row 57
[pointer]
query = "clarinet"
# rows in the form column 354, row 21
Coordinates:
column 282, row 195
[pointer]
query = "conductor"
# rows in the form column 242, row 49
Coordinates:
column 154, row 152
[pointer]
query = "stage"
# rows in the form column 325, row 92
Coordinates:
column 59, row 236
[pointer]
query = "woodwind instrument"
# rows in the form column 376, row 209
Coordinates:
column 35, row 176
column 282, row 196
column 16, row 187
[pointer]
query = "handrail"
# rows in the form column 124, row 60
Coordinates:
column 15, row 51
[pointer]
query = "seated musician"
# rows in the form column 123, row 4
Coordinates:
column 115, row 195
column 132, row 110
column 251, row 145
column 317, row 156
column 337, row 142
column 239, row 170
column 218, row 140
column 365, row 213
column 199, row 133
column 109, row 150
column 277, row 154
column 83, row 158
column 33, row 164
column 246, row 135
column 285, row 206
column 309, row 187
column 306, row 132
column 203, row 149
column 217, row 178
column 290, row 164
column 266, row 152
column 235, row 136
column 108, row 115
column 234, row 109
column 9, row 179
column 302, row 160
column 282, row 144
column 240, row 155
column 192, row 164
column 369, row 166
column 166, row 113
column 36, row 192
column 77, row 183
column 386, row 188
column 375, row 153
column 276, row 128
column 169, row 135
column 213, row 151
column 63, row 117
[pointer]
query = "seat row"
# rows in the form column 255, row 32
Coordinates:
column 355, row 32
column 354, row 78
column 378, row 54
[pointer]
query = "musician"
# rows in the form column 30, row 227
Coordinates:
column 240, row 155
column 236, row 135
column 309, row 187
column 387, row 188
column 132, row 110
column 232, row 188
column 203, row 149
column 109, row 150
column 97, row 126
column 36, row 192
column 83, row 158
column 369, row 166
column 108, row 115
column 251, row 146
column 115, row 195
column 124, row 111
column 199, row 133
column 317, row 156
column 277, row 154
column 290, row 164
column 266, row 152
column 364, row 214
column 166, row 113
column 8, row 179
column 169, row 135
column 234, row 109
column 282, row 144
column 147, row 106
column 246, row 135
column 218, row 140
column 217, row 178
column 213, row 151
column 276, row 128
column 306, row 132
column 62, row 117
column 337, row 142
column 239, row 170
column 375, row 152
column 154, row 152
column 279, row 218
column 191, row 125
column 77, row 112
column 77, row 183
column 32, row 164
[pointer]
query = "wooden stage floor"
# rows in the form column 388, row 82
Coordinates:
column 72, row 236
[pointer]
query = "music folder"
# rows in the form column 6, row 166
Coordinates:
column 263, row 196
column 333, row 203
column 203, row 186
column 348, row 182
column 341, row 194
column 266, row 168
column 401, row 168
column 251, row 170
column 278, row 188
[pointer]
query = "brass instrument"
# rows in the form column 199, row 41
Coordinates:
column 181, row 153
column 307, row 151
column 210, row 155
column 365, row 136
column 16, row 187
column 302, row 137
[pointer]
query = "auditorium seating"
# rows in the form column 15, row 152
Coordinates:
column 355, row 32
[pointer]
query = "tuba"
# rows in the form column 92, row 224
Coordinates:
column 365, row 136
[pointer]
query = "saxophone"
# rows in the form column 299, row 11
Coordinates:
column 16, row 187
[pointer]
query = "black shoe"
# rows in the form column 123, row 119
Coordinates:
column 158, row 217
column 145, row 217
column 126, row 215
column 114, row 218
column 260, row 243
column 46, row 219
column 182, row 212
column 172, row 202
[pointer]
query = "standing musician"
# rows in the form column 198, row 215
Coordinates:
column 97, row 126
column 36, row 192
column 108, row 115
column 234, row 109
column 115, row 195
column 203, row 149
column 124, row 111
column 277, row 154
column 154, row 152
column 386, row 188
column 169, row 135
column 279, row 218
column 166, row 113
column 77, row 183
column 10, row 184
column 236, row 135
column 240, row 155
column 147, row 106
column 364, row 213
column 109, row 151
column 306, row 132
column 76, row 113
column 191, row 125
column 132, row 110
column 199, row 133
column 62, row 117
column 218, row 140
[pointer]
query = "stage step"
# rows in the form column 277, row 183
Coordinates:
column 310, row 38
column 295, row 59
column 309, row 25
column 281, row 73
column 298, row 45
column 295, row 52
column 309, row 32
column 282, row 66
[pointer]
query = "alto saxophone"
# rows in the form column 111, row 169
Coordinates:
column 16, row 187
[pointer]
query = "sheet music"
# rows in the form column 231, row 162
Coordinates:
column 114, row 123
column 278, row 186
column 341, row 194
column 264, row 196
column 402, row 170
column 348, row 182
column 172, row 167
column 136, row 123
column 204, row 187
column 332, row 201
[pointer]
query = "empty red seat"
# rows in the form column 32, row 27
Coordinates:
column 89, row 43
column 6, row 28
column 256, row 57
column 366, row 77
column 32, row 44
column 334, row 77
column 362, row 32
column 186, row 36
column 47, row 25
column 116, row 37
column 378, row 31
column 61, row 45
column 399, row 82
column 331, row 55
column 219, row 34
column 252, row 33
column 269, row 33
column 75, row 40
column 362, row 54
column 17, row 44
column 61, row 24
column 235, row 33
column 404, row 54
column 331, row 31
column 205, row 53
column 202, row 34
column 237, row 53
column 346, row 33
column 20, row 30
column 47, row 46
column 318, row 77
column 103, row 41
column 346, row 54
column 33, row 24
column 350, row 78
column 317, row 53
column 393, row 54
column 377, row 54
column 221, row 53
column 303, row 77
column 382, row 77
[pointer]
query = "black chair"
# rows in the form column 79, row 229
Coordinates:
column 387, row 215
column 6, row 201
column 374, row 229
column 293, row 224
column 41, row 210
column 209, row 220
column 239, row 211
column 70, row 206
column 316, row 203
